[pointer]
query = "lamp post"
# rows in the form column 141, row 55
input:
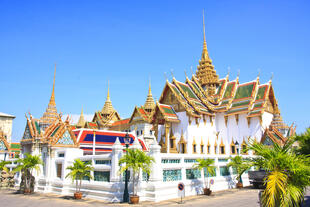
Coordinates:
column 126, row 194
column 237, row 146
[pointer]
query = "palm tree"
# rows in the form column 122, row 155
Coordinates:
column 78, row 171
column 2, row 165
column 27, row 165
column 288, row 174
column 208, row 166
column 303, row 140
column 136, row 160
column 241, row 165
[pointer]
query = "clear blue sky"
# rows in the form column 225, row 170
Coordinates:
column 127, row 42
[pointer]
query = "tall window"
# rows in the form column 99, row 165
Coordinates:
column 59, row 170
column 201, row 149
column 233, row 149
column 222, row 149
column 194, row 148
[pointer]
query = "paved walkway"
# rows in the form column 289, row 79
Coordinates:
column 230, row 198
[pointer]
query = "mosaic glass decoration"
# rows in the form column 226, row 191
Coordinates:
column 193, row 174
column 2, row 146
column 172, row 175
column 103, row 176
column 190, row 160
column 65, row 139
column 223, row 160
column 170, row 161
column 27, row 134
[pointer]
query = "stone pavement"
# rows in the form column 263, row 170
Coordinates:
column 230, row 198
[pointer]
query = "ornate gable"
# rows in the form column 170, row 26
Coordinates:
column 65, row 139
column 27, row 134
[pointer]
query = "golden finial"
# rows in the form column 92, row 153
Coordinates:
column 171, row 71
column 258, row 72
column 185, row 72
column 192, row 70
column 150, row 91
column 165, row 74
column 228, row 72
column 238, row 74
column 108, row 95
column 52, row 100
column 271, row 76
column 205, row 55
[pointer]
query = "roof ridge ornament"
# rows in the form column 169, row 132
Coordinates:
column 271, row 77
column 228, row 72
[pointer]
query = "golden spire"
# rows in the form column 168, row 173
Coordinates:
column 205, row 54
column 108, row 108
column 149, row 103
column 52, row 99
column 205, row 71
column 81, row 121
column 50, row 115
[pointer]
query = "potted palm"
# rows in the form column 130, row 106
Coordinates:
column 136, row 160
column 78, row 171
column 209, row 170
column 288, row 174
column 27, row 165
column 241, row 165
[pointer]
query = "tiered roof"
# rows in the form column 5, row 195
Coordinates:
column 50, row 115
column 58, row 133
column 149, row 104
column 107, row 115
column 81, row 122
column 167, row 112
column 205, row 71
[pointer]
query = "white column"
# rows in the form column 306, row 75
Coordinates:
column 156, row 171
column 117, row 152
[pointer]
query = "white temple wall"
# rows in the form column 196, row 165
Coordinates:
column 156, row 189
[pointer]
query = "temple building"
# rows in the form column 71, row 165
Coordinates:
column 208, row 115
column 204, row 116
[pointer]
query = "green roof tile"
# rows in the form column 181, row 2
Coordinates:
column 244, row 91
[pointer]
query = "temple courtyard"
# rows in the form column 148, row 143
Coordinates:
column 231, row 198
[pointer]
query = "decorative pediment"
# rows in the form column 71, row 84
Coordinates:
column 65, row 139
column 27, row 134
